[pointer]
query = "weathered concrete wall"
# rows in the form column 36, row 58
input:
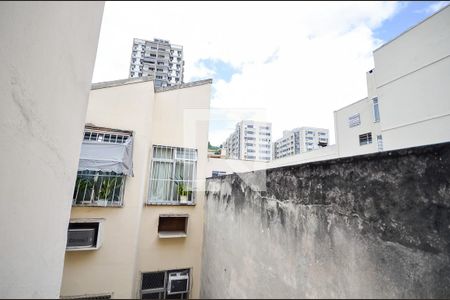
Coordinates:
column 369, row 226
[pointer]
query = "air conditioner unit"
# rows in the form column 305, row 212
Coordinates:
column 178, row 283
column 83, row 237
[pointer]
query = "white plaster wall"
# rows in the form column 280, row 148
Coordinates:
column 328, row 152
column 347, row 139
column 412, row 78
column 427, row 42
column 231, row 166
column 47, row 57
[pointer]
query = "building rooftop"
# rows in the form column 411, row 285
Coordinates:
column 120, row 82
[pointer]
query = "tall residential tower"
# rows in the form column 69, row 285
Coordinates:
column 300, row 140
column 159, row 59
column 250, row 141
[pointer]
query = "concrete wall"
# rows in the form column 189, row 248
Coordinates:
column 46, row 62
column 412, row 79
column 372, row 226
column 111, row 269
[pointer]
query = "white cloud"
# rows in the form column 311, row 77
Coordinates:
column 437, row 6
column 322, row 52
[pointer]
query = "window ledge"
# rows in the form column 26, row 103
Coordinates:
column 97, row 205
column 169, row 204
column 171, row 234
column 81, row 248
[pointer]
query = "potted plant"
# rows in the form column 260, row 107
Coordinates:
column 182, row 192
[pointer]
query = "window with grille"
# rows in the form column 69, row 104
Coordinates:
column 365, row 139
column 97, row 188
column 173, row 175
column 173, row 284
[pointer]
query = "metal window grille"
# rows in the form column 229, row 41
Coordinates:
column 96, row 188
column 105, row 137
column 154, row 285
column 173, row 175
column 99, row 189
column 380, row 142
column 365, row 139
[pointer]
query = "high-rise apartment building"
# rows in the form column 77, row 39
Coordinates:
column 300, row 140
column 250, row 141
column 159, row 59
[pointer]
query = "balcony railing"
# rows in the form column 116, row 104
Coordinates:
column 94, row 188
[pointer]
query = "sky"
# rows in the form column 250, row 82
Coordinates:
column 289, row 63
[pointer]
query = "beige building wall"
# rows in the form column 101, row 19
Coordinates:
column 46, row 62
column 412, row 79
column 181, row 118
column 111, row 268
column 131, row 244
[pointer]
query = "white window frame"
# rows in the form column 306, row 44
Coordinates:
column 174, row 160
column 376, row 110
column 164, row 289
column 368, row 140
column 99, row 234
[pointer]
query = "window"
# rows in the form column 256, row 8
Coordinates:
column 173, row 284
column 249, row 138
column 249, row 144
column 376, row 110
column 84, row 234
column 365, row 139
column 249, row 132
column 172, row 226
column 354, row 120
column 250, row 126
column 96, row 188
column 251, row 151
column 218, row 173
column 250, row 157
column 380, row 142
column 322, row 133
column 264, row 127
column 173, row 175
column 310, row 138
column 100, row 188
column 89, row 296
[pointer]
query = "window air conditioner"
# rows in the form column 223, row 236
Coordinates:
column 178, row 283
column 83, row 237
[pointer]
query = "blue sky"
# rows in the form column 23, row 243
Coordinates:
column 410, row 14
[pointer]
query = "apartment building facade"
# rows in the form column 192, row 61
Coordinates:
column 250, row 141
column 158, row 59
column 136, row 225
column 408, row 93
column 300, row 140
